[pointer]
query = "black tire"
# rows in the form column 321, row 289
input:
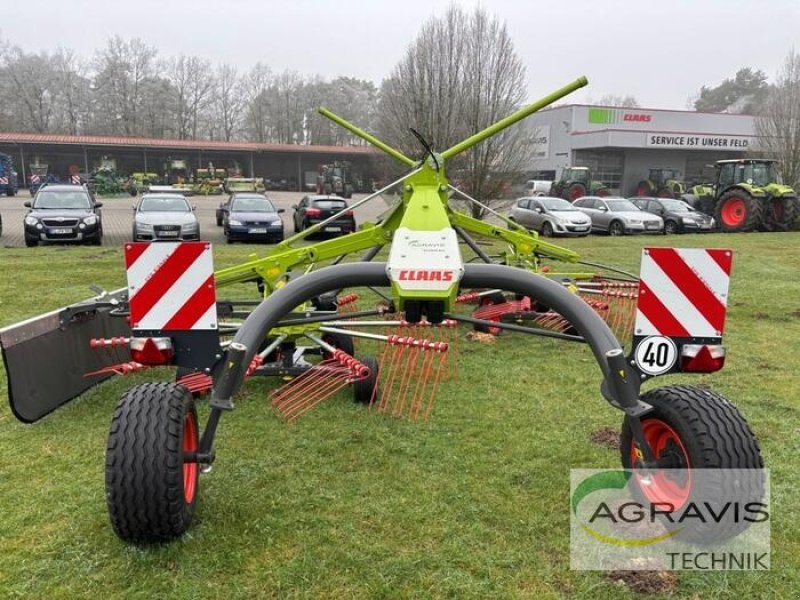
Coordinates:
column 327, row 189
column 671, row 227
column 342, row 342
column 737, row 211
column 697, row 428
column 150, row 491
column 348, row 191
column 547, row 229
column 780, row 213
column 219, row 222
column 602, row 192
column 616, row 228
column 98, row 241
column 30, row 242
column 363, row 389
column 490, row 300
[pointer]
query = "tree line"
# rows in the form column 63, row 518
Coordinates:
column 460, row 74
column 128, row 89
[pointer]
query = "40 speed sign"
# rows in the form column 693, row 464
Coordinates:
column 683, row 298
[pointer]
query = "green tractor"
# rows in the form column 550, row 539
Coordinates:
column 662, row 183
column 108, row 181
column 748, row 196
column 209, row 181
column 142, row 180
column 576, row 182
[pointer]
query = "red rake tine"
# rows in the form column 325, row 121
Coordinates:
column 301, row 384
column 422, row 384
column 391, row 375
column 295, row 400
column 296, row 410
column 408, row 374
column 435, row 385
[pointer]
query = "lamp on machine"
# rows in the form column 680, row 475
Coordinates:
column 702, row 358
column 152, row 350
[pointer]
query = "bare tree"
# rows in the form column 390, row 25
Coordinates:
column 459, row 76
column 257, row 121
column 778, row 124
column 350, row 98
column 74, row 86
column 121, row 71
column 193, row 81
column 31, row 89
column 621, row 101
column 228, row 100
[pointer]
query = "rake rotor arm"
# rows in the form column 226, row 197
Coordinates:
column 367, row 137
column 514, row 117
column 524, row 242
column 272, row 267
column 622, row 392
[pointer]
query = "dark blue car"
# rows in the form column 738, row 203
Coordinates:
column 251, row 217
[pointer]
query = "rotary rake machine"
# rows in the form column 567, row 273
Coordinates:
column 303, row 323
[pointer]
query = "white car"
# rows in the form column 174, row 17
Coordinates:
column 164, row 217
column 618, row 216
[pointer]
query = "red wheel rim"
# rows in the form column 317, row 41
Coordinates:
column 642, row 190
column 190, row 444
column 663, row 487
column 777, row 210
column 603, row 192
column 733, row 212
column 576, row 191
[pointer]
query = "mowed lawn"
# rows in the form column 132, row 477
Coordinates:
column 348, row 504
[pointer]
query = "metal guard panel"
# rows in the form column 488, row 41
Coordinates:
column 45, row 363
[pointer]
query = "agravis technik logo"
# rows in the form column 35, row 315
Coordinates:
column 716, row 519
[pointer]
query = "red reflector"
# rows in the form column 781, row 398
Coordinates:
column 702, row 358
column 152, row 351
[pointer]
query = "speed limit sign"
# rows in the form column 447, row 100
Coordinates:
column 656, row 354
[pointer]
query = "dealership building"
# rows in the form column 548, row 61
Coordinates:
column 621, row 145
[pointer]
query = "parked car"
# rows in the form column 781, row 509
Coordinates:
column 678, row 216
column 164, row 216
column 618, row 216
column 315, row 208
column 248, row 216
column 63, row 213
column 550, row 216
column 536, row 187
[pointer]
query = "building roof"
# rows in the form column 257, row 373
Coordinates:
column 139, row 142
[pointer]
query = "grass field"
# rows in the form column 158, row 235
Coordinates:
column 347, row 504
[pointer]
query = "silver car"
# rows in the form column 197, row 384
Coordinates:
column 618, row 216
column 164, row 217
column 550, row 216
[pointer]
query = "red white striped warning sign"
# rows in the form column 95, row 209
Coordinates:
column 171, row 286
column 683, row 292
column 3, row 180
column 76, row 179
column 34, row 179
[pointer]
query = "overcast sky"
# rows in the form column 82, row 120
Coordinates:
column 659, row 52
